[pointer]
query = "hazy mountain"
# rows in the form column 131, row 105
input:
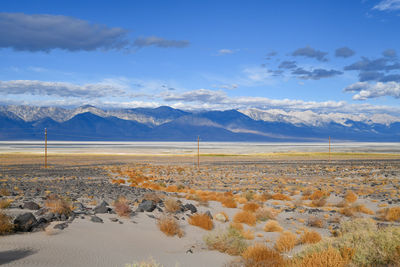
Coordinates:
column 168, row 124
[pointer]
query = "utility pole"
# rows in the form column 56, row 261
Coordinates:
column 45, row 148
column 198, row 152
column 329, row 148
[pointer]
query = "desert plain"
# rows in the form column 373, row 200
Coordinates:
column 271, row 209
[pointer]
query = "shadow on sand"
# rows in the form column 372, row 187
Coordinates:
column 15, row 254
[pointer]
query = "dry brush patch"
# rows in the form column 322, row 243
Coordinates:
column 6, row 226
column 245, row 217
column 59, row 205
column 310, row 237
column 260, row 255
column 272, row 226
column 121, row 206
column 286, row 242
column 172, row 205
column 251, row 206
column 228, row 241
column 170, row 226
column 390, row 214
column 201, row 220
column 264, row 213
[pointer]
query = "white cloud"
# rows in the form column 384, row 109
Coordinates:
column 388, row 5
column 366, row 90
column 227, row 51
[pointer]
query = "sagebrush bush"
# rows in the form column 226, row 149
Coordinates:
column 310, row 237
column 122, row 208
column 59, row 205
column 329, row 257
column 279, row 196
column 272, row 226
column 315, row 221
column 264, row 213
column 228, row 241
column 170, row 226
column 261, row 255
column 6, row 226
column 229, row 202
column 391, row 214
column 372, row 246
column 350, row 197
column 251, row 206
column 201, row 220
column 245, row 217
column 286, row 242
column 172, row 205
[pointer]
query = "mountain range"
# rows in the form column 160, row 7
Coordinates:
column 168, row 124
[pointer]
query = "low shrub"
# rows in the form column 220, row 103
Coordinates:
column 391, row 214
column 261, row 255
column 310, row 237
column 316, row 222
column 272, row 226
column 122, row 208
column 251, row 206
column 58, row 205
column 201, row 220
column 169, row 226
column 172, row 205
column 228, row 241
column 248, row 234
column 5, row 203
column 229, row 202
column 350, row 197
column 245, row 217
column 329, row 257
column 264, row 213
column 286, row 242
column 6, row 226
column 279, row 196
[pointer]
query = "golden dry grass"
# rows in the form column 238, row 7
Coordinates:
column 5, row 203
column 279, row 196
column 264, row 213
column 201, row 220
column 229, row 202
column 391, row 214
column 329, row 257
column 286, row 242
column 261, row 255
column 237, row 226
column 248, row 234
column 170, row 226
column 316, row 222
column 245, row 217
column 272, row 226
column 228, row 241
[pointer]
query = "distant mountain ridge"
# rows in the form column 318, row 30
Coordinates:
column 168, row 124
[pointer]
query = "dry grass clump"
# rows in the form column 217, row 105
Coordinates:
column 261, row 255
column 237, row 226
column 6, row 226
column 310, row 237
column 156, row 198
column 169, row 226
column 279, row 196
column 264, row 213
column 318, row 194
column 4, row 192
column 251, row 206
column 316, row 222
column 318, row 202
column 58, row 205
column 228, row 241
column 5, row 203
column 121, row 206
column 272, row 226
column 361, row 208
column 285, row 242
column 372, row 246
column 347, row 211
column 245, row 217
column 172, row 205
column 350, row 197
column 201, row 220
column 329, row 257
column 248, row 234
column 229, row 202
column 390, row 214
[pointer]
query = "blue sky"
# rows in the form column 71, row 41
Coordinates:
column 328, row 56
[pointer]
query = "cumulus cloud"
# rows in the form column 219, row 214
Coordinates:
column 62, row 89
column 43, row 32
column 391, row 53
column 201, row 95
column 226, row 51
column 315, row 74
column 388, row 5
column 380, row 64
column 311, row 53
column 344, row 52
column 287, row 65
column 159, row 42
column 366, row 90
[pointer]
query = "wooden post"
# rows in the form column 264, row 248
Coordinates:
column 329, row 148
column 45, row 148
column 198, row 152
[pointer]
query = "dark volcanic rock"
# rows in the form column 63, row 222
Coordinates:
column 190, row 207
column 25, row 222
column 61, row 226
column 30, row 205
column 96, row 219
column 102, row 208
column 146, row 205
